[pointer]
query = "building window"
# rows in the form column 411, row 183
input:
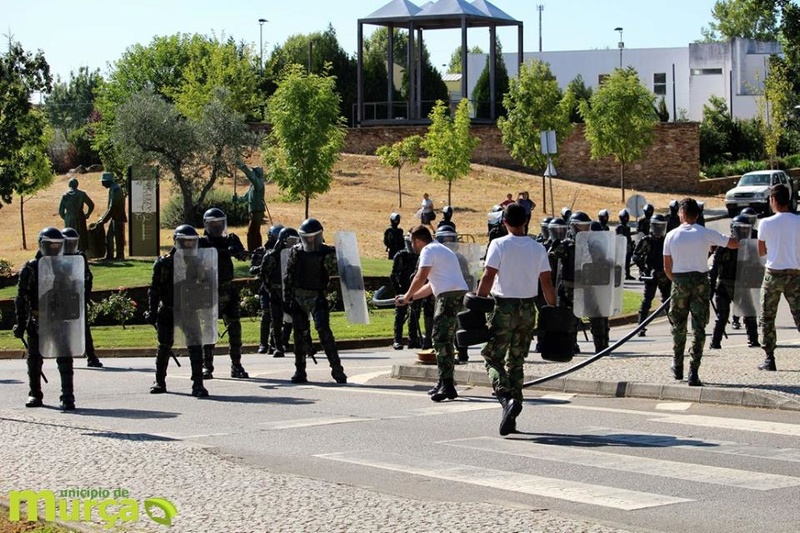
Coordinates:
column 660, row 84
column 601, row 79
column 706, row 72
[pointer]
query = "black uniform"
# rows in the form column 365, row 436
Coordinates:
column 723, row 281
column 446, row 222
column 673, row 221
column 649, row 257
column 643, row 225
column 26, row 306
column 625, row 230
column 228, row 246
column 403, row 268
column 393, row 240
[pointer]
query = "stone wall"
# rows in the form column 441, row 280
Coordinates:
column 672, row 164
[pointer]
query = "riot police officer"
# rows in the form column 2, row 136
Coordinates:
column 752, row 217
column 71, row 243
column 701, row 218
column 161, row 313
column 544, row 231
column 26, row 305
column 673, row 220
column 722, row 276
column 643, row 223
column 649, row 257
column 625, row 230
column 271, row 276
column 305, row 285
column 447, row 218
column 228, row 246
column 393, row 236
column 265, row 344
column 602, row 218
column 403, row 268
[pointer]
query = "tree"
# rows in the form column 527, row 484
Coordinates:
column 454, row 67
column 194, row 151
column 449, row 144
column 21, row 74
column 577, row 92
column 749, row 19
column 715, row 131
column 775, row 106
column 70, row 104
column 35, row 171
column 620, row 120
column 481, row 94
column 398, row 154
column 535, row 104
column 661, row 110
column 307, row 133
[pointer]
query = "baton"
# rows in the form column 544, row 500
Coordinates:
column 224, row 331
column 714, row 307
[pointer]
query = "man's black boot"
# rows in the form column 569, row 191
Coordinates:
column 511, row 409
column 160, row 385
column 93, row 362
column 694, row 379
column 67, row 387
column 677, row 371
column 196, row 358
column 768, row 364
column 299, row 369
column 33, row 401
column 208, row 362
column 435, row 387
column 446, row 391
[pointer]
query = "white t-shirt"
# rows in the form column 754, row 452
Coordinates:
column 781, row 234
column 426, row 205
column 689, row 246
column 519, row 260
column 445, row 274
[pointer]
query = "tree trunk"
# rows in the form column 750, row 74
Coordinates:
column 307, row 202
column 22, row 221
column 399, row 190
column 622, row 180
column 449, row 188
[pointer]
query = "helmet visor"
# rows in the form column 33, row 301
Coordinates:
column 658, row 229
column 70, row 246
column 216, row 227
column 544, row 230
column 558, row 232
column 741, row 231
column 188, row 244
column 580, row 226
column 51, row 247
column 312, row 242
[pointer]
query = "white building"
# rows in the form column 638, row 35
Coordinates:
column 685, row 77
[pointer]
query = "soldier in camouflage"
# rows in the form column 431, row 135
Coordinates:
column 686, row 251
column 403, row 268
column 228, row 246
column 266, row 344
column 71, row 247
column 625, row 230
column 305, row 286
column 649, row 257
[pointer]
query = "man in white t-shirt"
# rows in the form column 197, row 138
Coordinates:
column 778, row 240
column 438, row 273
column 515, row 264
column 686, row 250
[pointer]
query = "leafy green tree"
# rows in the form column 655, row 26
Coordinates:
column 307, row 133
column 535, row 104
column 481, row 94
column 21, row 74
column 454, row 67
column 195, row 151
column 620, row 120
column 750, row 19
column 661, row 110
column 577, row 92
column 716, row 129
column 398, row 154
column 70, row 104
column 449, row 144
column 775, row 107
column 33, row 164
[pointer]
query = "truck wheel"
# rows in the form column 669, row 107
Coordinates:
column 732, row 211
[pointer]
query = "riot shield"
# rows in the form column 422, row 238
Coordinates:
column 621, row 251
column 195, row 303
column 749, row 275
column 595, row 265
column 350, row 278
column 469, row 259
column 287, row 318
column 61, row 306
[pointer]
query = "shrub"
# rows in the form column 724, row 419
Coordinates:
column 172, row 214
column 117, row 308
column 250, row 303
column 6, row 269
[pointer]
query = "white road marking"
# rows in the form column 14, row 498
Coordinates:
column 630, row 463
column 563, row 396
column 361, row 379
column 312, row 422
column 455, row 407
column 673, row 406
column 573, row 491
column 756, row 426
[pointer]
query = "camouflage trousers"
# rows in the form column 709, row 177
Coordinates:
column 445, row 323
column 775, row 283
column 511, row 327
column 690, row 295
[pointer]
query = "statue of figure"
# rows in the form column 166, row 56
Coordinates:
column 255, row 202
column 71, row 211
column 115, row 237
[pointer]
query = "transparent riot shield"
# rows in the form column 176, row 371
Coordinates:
column 469, row 259
column 61, row 306
column 287, row 318
column 749, row 275
column 350, row 278
column 621, row 251
column 595, row 265
column 195, row 304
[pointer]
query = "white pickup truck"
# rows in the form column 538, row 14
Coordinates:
column 752, row 190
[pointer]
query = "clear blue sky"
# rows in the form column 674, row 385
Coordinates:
column 73, row 33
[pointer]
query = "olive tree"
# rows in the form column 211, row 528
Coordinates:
column 398, row 154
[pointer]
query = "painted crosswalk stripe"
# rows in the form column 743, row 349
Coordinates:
column 758, row 426
column 630, row 463
column 312, row 422
column 600, row 495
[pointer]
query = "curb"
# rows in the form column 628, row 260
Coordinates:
column 618, row 389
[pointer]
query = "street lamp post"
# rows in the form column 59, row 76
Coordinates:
column 261, row 45
column 620, row 44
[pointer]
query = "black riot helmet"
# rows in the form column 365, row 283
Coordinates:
column 51, row 241
column 602, row 216
column 544, row 229
column 658, row 225
column 566, row 213
column 624, row 216
column 409, row 245
column 649, row 210
column 310, row 232
column 446, row 234
column 674, row 205
column 274, row 232
column 394, row 219
column 557, row 229
column 701, row 206
column 751, row 215
column 215, row 222
column 495, row 216
column 741, row 227
column 447, row 212
column 287, row 238
column 186, row 239
column 71, row 239
column 579, row 221
column 595, row 226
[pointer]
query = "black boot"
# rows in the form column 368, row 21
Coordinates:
column 196, row 359
column 694, row 379
column 67, row 385
column 511, row 409
column 463, row 355
column 299, row 369
column 93, row 362
column 35, row 394
column 435, row 387
column 446, row 391
column 768, row 364
column 677, row 371
column 208, row 361
column 237, row 370
column 160, row 385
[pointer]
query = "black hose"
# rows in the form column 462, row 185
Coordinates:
column 601, row 353
column 380, row 303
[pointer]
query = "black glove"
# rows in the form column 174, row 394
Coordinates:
column 151, row 317
column 19, row 331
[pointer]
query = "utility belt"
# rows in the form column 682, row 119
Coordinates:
column 689, row 275
column 503, row 299
column 786, row 271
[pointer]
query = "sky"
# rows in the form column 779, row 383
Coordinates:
column 95, row 33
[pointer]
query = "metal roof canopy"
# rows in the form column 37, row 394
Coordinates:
column 443, row 14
